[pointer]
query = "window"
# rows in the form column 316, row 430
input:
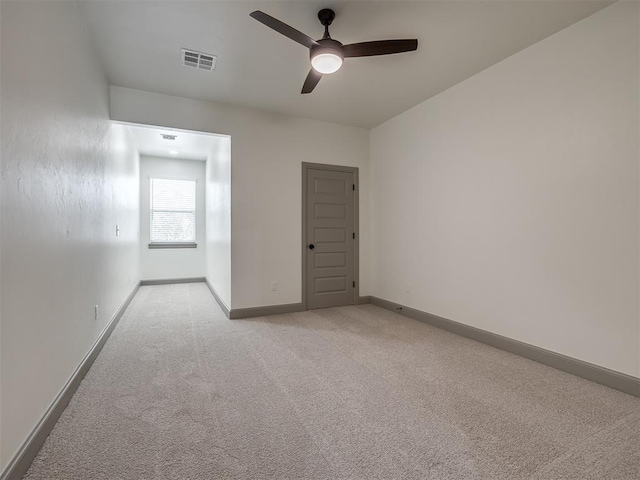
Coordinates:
column 173, row 213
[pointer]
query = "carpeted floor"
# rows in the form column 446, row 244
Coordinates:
column 180, row 392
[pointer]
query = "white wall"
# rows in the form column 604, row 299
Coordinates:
column 510, row 201
column 168, row 263
column 68, row 177
column 266, row 177
column 218, row 211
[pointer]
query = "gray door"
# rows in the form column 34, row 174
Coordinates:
column 330, row 237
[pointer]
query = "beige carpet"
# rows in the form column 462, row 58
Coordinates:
column 180, row 392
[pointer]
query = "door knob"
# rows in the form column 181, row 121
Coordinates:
column 312, row 246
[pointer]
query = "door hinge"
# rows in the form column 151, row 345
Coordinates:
column 354, row 235
column 354, row 284
column 353, row 185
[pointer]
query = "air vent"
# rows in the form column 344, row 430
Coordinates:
column 168, row 137
column 203, row 61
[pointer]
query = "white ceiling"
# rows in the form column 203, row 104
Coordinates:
column 139, row 43
column 187, row 145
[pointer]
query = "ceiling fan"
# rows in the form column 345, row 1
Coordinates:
column 327, row 54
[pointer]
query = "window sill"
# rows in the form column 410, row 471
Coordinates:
column 174, row 245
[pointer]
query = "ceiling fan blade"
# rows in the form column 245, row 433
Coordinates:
column 312, row 80
column 379, row 47
column 284, row 29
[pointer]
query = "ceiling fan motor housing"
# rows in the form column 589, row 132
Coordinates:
column 327, row 45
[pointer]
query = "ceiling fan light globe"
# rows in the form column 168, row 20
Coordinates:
column 326, row 63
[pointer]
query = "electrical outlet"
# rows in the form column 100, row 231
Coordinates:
column 274, row 286
column 117, row 230
column 96, row 313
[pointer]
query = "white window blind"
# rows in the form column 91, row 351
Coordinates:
column 173, row 211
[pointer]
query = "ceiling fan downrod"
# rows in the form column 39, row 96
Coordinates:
column 326, row 17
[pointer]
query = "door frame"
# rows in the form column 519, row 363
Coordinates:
column 356, row 220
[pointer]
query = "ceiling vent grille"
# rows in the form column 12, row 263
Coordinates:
column 202, row 61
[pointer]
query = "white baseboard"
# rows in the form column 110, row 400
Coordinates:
column 225, row 308
column 169, row 281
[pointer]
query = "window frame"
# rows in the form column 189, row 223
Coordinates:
column 189, row 244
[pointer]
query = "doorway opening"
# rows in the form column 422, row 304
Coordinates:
column 184, row 189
